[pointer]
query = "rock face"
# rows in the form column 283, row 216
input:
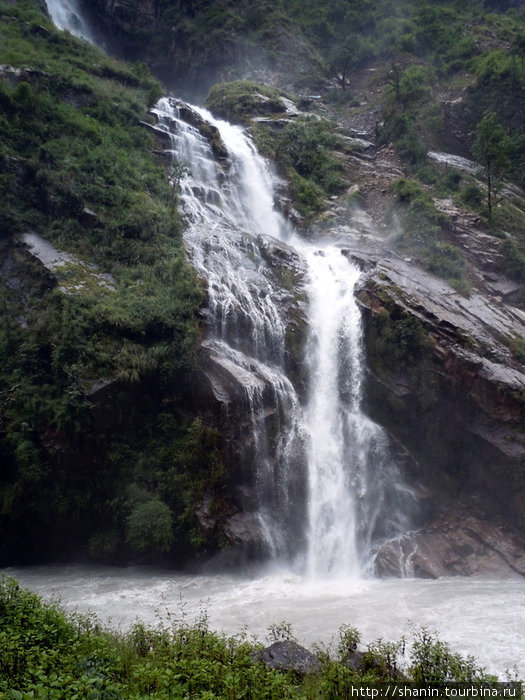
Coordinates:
column 444, row 382
column 454, row 543
column 441, row 378
column 228, row 383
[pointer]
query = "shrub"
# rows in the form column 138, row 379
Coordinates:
column 413, row 84
column 472, row 196
column 446, row 261
column 150, row 527
column 513, row 260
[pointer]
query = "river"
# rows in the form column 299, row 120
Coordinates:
column 478, row 616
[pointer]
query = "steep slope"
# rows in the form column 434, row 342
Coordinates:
column 99, row 306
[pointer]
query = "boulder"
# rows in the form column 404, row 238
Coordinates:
column 289, row 656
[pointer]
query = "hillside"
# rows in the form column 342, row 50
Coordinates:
column 99, row 305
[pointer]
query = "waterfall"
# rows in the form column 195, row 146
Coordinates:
column 231, row 223
column 66, row 15
column 334, row 373
column 322, row 482
column 323, row 486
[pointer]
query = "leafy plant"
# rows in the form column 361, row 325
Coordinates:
column 150, row 527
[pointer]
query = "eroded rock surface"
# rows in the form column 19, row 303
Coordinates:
column 442, row 378
column 455, row 543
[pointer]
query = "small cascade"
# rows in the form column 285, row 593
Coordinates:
column 66, row 15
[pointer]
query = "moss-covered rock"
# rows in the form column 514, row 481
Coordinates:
column 241, row 100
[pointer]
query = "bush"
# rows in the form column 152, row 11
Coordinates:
column 472, row 196
column 150, row 527
column 446, row 261
column 306, row 147
column 513, row 260
column 413, row 84
column 48, row 654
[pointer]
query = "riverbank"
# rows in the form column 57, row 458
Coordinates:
column 478, row 617
column 46, row 650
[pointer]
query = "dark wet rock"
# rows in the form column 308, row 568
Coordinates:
column 355, row 660
column 455, row 543
column 88, row 217
column 161, row 135
column 210, row 132
column 205, row 515
column 289, row 656
column 442, row 378
column 16, row 74
column 244, row 528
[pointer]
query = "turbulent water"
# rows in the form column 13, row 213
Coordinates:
column 485, row 618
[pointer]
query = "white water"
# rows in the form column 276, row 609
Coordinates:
column 333, row 345
column 324, row 441
column 484, row 618
column 66, row 15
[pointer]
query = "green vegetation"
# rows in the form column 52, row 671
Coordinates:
column 46, row 653
column 427, row 57
column 306, row 151
column 398, row 340
column 424, row 231
column 303, row 148
column 93, row 376
column 241, row 100
column 96, row 420
column 491, row 147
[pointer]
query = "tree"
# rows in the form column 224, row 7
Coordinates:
column 347, row 55
column 491, row 147
column 341, row 61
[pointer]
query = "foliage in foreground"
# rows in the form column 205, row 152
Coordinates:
column 48, row 653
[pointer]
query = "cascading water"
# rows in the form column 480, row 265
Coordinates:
column 229, row 209
column 325, row 440
column 66, row 15
column 334, row 396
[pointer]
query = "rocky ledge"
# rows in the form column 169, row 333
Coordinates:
column 456, row 542
column 443, row 379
